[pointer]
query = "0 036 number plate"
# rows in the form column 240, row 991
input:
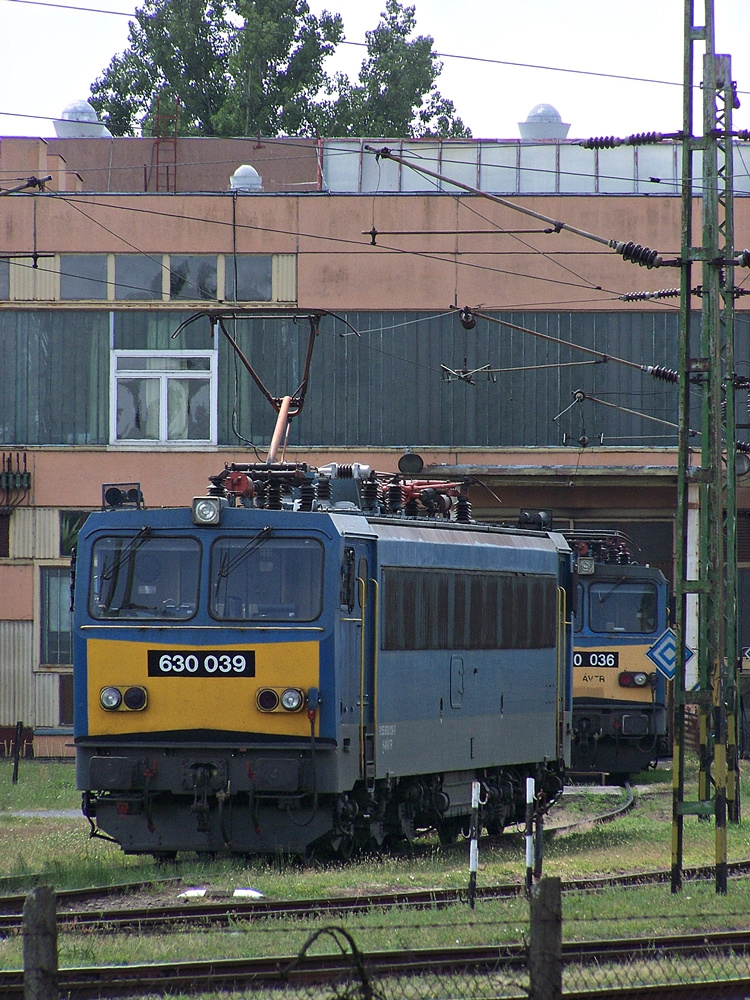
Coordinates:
column 201, row 663
column 594, row 658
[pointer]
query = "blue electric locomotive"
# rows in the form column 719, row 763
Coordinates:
column 619, row 697
column 314, row 659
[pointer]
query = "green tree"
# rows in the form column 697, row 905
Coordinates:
column 232, row 68
column 397, row 95
column 276, row 68
column 241, row 67
column 178, row 52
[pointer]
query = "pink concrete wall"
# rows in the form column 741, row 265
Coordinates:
column 16, row 593
column 338, row 267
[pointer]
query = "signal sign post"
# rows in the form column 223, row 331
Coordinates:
column 663, row 654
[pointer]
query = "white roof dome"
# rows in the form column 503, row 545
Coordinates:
column 79, row 120
column 543, row 122
column 246, row 178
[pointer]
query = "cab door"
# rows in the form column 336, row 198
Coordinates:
column 357, row 654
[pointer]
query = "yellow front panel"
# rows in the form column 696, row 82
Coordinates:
column 192, row 702
column 601, row 681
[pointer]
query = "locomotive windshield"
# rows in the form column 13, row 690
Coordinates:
column 263, row 577
column 144, row 576
column 622, row 606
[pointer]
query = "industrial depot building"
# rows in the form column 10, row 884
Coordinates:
column 131, row 237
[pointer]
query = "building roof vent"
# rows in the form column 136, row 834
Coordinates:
column 543, row 122
column 246, row 178
column 79, row 121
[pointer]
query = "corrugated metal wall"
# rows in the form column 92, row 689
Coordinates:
column 386, row 387
column 35, row 533
column 382, row 388
column 17, row 690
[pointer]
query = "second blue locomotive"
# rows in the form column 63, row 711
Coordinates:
column 315, row 659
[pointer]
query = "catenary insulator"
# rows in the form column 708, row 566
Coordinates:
column 743, row 446
column 663, row 293
column 743, row 258
column 637, row 254
column 665, row 374
column 644, row 138
column 468, row 319
column 602, row 142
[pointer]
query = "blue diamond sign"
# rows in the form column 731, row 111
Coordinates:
column 663, row 653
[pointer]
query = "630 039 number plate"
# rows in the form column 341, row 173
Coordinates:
column 201, row 663
column 595, row 658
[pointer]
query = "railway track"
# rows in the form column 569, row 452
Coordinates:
column 163, row 918
column 309, row 970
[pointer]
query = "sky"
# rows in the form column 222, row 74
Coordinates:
column 50, row 54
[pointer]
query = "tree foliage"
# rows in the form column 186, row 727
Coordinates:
column 397, row 95
column 246, row 67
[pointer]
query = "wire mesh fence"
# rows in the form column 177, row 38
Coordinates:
column 693, row 965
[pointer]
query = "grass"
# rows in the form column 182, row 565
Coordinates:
column 58, row 851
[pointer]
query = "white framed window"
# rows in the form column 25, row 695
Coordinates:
column 166, row 397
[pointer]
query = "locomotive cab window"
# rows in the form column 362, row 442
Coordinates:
column 622, row 606
column 145, row 576
column 262, row 577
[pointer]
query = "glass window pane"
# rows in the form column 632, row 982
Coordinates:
column 57, row 643
column 4, row 279
column 617, row 606
column 83, row 276
column 253, row 282
column 189, row 409
column 163, row 364
column 256, row 578
column 192, row 277
column 137, row 276
column 145, row 577
column 138, row 409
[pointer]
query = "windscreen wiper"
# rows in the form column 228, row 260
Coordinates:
column 612, row 589
column 112, row 573
column 229, row 564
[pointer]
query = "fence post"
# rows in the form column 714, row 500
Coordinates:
column 40, row 945
column 17, row 751
column 545, row 941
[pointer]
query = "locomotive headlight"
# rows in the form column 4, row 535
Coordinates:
column 630, row 678
column 110, row 698
column 135, row 699
column 267, row 700
column 206, row 510
column 292, row 699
